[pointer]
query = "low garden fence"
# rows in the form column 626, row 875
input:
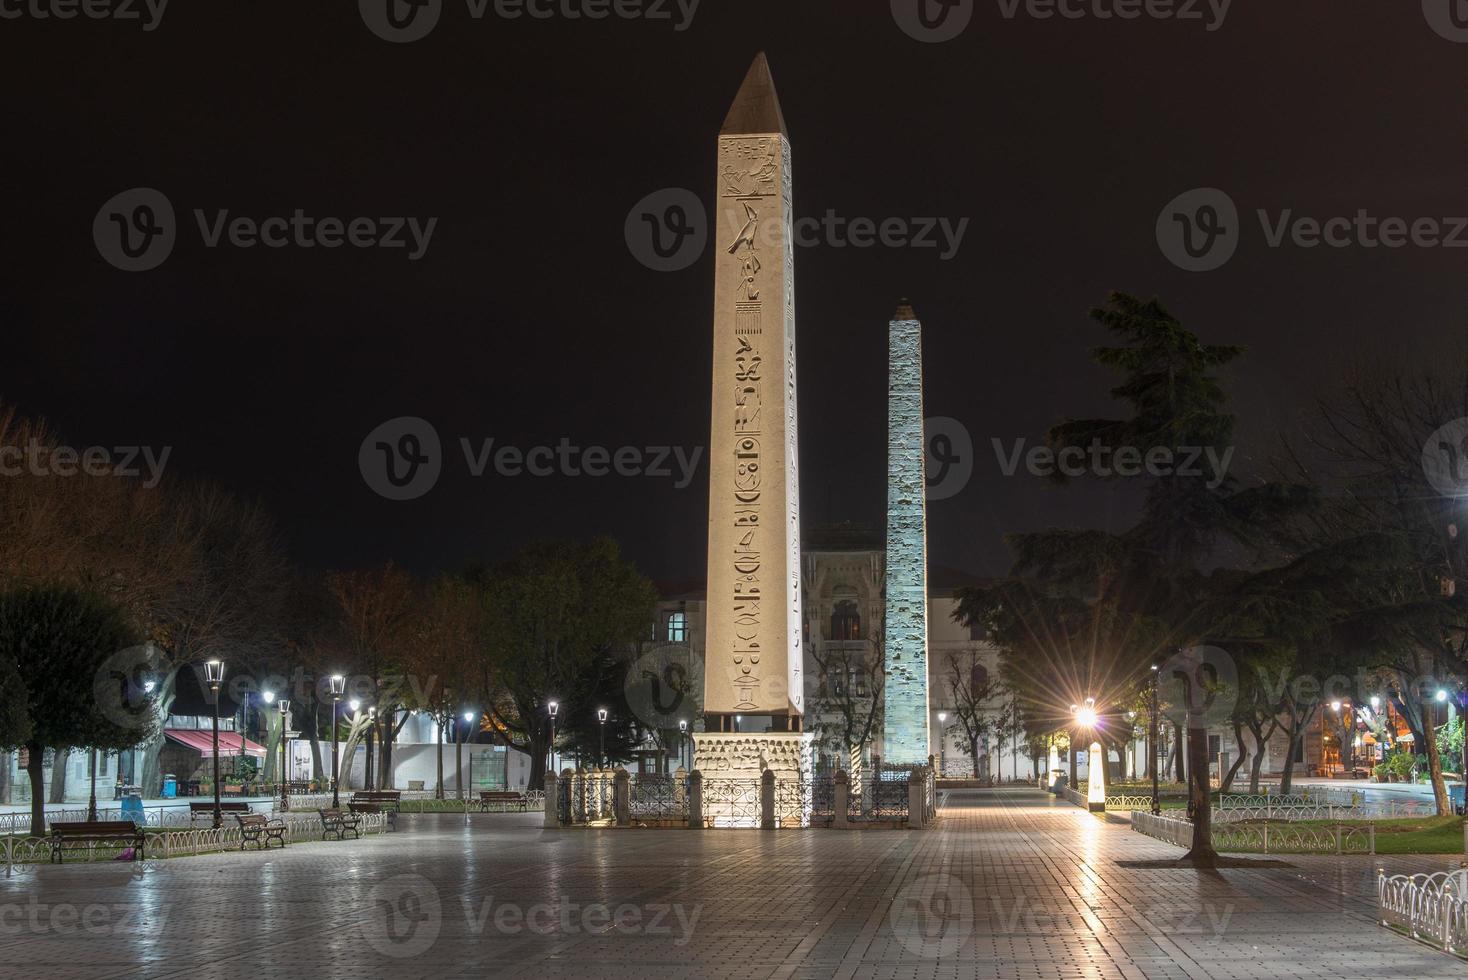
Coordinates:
column 1430, row 907
column 1263, row 838
column 161, row 844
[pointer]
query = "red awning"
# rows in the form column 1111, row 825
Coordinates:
column 203, row 742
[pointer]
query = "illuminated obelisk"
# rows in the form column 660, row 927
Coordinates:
column 905, row 632
column 753, row 689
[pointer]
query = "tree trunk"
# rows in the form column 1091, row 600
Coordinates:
column 318, row 768
column 1255, row 765
column 1228, row 780
column 1202, row 855
column 1435, row 763
column 438, row 787
column 58, row 775
column 1287, row 774
column 1180, row 747
column 35, row 767
column 1072, row 763
column 5, row 763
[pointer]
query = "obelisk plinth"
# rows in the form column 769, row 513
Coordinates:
column 905, row 631
column 753, row 689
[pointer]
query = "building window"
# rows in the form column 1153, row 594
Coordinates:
column 975, row 632
column 677, row 627
column 979, row 680
column 846, row 621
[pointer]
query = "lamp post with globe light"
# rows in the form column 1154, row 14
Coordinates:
column 338, row 688
column 1152, row 735
column 601, row 718
column 468, row 717
column 285, row 779
column 214, row 674
column 943, row 741
column 552, row 709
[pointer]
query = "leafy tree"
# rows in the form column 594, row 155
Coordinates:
column 1085, row 613
column 556, row 614
column 62, row 641
column 847, row 696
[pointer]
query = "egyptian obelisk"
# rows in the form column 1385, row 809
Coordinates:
column 753, row 689
column 905, row 630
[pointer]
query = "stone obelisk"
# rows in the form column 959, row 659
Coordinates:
column 753, row 689
column 905, row 632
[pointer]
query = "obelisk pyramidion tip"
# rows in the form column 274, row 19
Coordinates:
column 756, row 109
column 904, row 311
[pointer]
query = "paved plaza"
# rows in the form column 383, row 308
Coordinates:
column 1010, row 885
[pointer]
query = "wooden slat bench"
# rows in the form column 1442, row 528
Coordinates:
column 87, row 832
column 503, row 799
column 260, row 830
column 387, row 801
column 337, row 823
column 207, row 809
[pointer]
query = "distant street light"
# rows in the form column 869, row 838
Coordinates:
column 214, row 674
column 601, row 717
column 338, row 688
column 1152, row 743
column 285, row 723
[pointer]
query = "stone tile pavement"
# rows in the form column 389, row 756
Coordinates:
column 1011, row 885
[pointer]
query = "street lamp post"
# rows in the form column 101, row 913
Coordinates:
column 371, row 740
column 285, row 783
column 601, row 718
column 459, row 754
column 214, row 674
column 943, row 742
column 682, row 742
column 92, row 801
column 338, row 688
column 1152, row 744
column 552, row 708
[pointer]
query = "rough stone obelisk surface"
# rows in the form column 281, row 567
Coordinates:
column 753, row 688
column 905, row 634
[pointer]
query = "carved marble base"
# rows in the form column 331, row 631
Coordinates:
column 733, row 765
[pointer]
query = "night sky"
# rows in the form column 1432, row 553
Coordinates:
column 528, row 319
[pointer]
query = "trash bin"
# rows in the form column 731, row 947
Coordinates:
column 170, row 786
column 132, row 809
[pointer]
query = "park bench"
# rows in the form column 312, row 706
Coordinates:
column 207, row 809
column 88, row 832
column 387, row 801
column 503, row 799
column 260, row 830
column 335, row 822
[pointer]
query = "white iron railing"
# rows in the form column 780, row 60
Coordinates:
column 1262, row 838
column 1433, row 908
column 300, row 828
